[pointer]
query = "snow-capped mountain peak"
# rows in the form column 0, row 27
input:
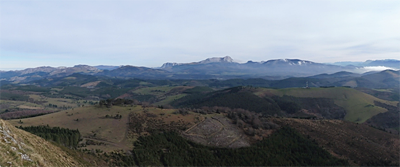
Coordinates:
column 297, row 62
column 225, row 59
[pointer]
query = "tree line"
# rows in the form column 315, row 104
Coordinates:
column 285, row 147
column 63, row 136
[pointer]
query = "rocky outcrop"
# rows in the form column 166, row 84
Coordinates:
column 20, row 148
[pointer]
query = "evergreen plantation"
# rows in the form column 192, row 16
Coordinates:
column 286, row 147
column 63, row 136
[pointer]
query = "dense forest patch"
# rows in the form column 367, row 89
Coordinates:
column 237, row 97
column 358, row 143
column 63, row 136
column 285, row 147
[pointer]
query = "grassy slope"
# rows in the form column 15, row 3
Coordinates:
column 167, row 94
column 359, row 106
column 39, row 151
column 151, row 90
column 90, row 122
column 19, row 104
column 112, row 132
column 169, row 99
column 55, row 101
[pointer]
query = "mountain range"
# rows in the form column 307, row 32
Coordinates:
column 211, row 104
column 211, row 68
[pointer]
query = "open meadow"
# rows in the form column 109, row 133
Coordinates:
column 102, row 128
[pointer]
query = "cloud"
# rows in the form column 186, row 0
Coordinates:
column 372, row 49
column 153, row 32
column 372, row 68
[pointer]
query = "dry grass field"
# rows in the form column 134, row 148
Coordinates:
column 91, row 123
column 100, row 132
column 60, row 102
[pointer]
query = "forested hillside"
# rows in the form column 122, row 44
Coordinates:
column 65, row 137
column 284, row 148
column 129, row 122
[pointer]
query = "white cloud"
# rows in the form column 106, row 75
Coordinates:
column 373, row 68
column 153, row 32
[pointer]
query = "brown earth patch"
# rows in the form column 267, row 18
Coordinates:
column 217, row 131
column 91, row 84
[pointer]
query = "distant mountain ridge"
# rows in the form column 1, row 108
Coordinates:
column 278, row 67
column 226, row 59
column 30, row 74
column 289, row 62
column 105, row 67
column 387, row 63
column 210, row 68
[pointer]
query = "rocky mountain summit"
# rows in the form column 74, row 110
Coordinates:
column 226, row 59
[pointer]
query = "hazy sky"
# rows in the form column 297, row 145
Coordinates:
column 150, row 33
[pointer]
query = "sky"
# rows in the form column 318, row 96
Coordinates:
column 149, row 33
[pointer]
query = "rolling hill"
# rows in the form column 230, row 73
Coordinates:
column 211, row 68
column 333, row 102
column 104, row 128
column 359, row 106
column 92, row 124
column 358, row 143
